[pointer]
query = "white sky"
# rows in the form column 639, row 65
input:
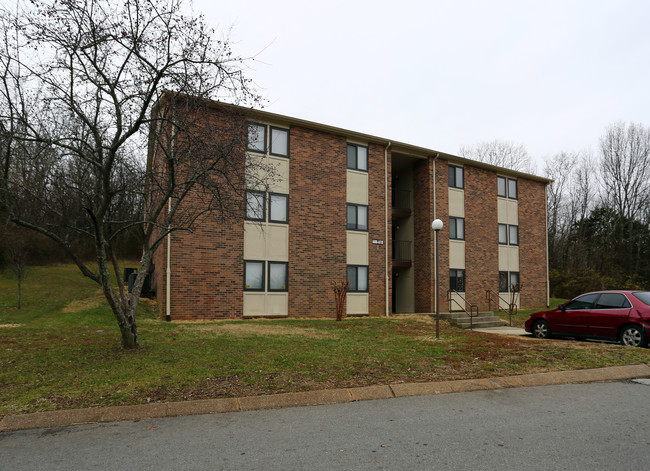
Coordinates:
column 549, row 74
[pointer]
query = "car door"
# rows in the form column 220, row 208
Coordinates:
column 572, row 319
column 609, row 312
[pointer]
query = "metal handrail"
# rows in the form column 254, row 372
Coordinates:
column 402, row 250
column 401, row 199
column 472, row 306
column 493, row 297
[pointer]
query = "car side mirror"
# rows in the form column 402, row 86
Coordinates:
column 561, row 307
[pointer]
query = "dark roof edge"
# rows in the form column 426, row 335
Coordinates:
column 396, row 146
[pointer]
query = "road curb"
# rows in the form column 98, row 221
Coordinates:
column 310, row 398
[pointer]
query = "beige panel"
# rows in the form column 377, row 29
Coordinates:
column 508, row 258
column 508, row 211
column 254, row 304
column 255, row 174
column 277, row 242
column 357, row 303
column 457, row 254
column 458, row 304
column 266, row 242
column 266, row 304
column 277, row 304
column 280, row 181
column 254, row 241
column 264, row 172
column 504, row 303
column 357, row 248
column 357, row 187
column 456, row 202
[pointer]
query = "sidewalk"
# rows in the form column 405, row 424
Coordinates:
column 504, row 330
column 311, row 398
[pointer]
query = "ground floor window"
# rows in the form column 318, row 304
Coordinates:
column 457, row 280
column 508, row 281
column 358, row 278
column 255, row 275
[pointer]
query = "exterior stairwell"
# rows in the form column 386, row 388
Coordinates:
column 462, row 320
column 466, row 315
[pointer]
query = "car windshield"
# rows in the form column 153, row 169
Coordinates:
column 643, row 296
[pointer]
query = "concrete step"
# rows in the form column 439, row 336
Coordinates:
column 462, row 320
column 476, row 324
column 462, row 314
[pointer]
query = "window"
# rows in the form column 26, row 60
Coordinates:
column 508, row 234
column 457, row 280
column 514, row 281
column 357, row 217
column 507, row 188
column 643, row 296
column 279, row 142
column 581, row 302
column 358, row 278
column 513, row 235
column 455, row 177
column 253, row 275
column 279, row 207
column 457, row 228
column 502, row 187
column 357, row 157
column 255, row 205
column 278, row 276
column 256, row 137
column 512, row 188
column 508, row 281
column 503, row 282
column 612, row 301
column 503, row 234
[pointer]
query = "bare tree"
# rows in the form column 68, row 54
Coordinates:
column 570, row 198
column 16, row 257
column 625, row 168
column 500, row 153
column 93, row 85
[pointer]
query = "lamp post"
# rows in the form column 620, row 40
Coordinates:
column 437, row 225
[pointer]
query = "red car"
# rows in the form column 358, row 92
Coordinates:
column 610, row 315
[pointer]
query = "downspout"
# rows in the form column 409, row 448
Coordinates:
column 386, row 224
column 548, row 282
column 435, row 216
column 168, row 317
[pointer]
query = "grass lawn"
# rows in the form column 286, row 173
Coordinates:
column 62, row 350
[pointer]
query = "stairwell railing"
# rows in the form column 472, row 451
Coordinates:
column 473, row 308
column 496, row 298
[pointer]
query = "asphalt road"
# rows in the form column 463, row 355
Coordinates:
column 569, row 427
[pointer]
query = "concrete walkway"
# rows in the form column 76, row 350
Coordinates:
column 310, row 398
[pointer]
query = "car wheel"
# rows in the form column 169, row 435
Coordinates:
column 633, row 336
column 541, row 330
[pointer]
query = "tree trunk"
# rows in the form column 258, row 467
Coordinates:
column 129, row 331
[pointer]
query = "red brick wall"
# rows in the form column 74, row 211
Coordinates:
column 317, row 220
column 481, row 242
column 377, row 229
column 206, row 264
column 532, row 243
column 207, row 270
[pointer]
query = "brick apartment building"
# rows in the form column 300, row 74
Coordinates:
column 351, row 205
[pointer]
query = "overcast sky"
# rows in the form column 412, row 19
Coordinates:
column 548, row 74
